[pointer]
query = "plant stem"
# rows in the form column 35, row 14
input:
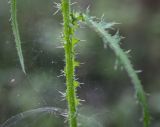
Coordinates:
column 69, row 59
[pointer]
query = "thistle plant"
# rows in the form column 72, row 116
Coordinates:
column 69, row 43
column 71, row 21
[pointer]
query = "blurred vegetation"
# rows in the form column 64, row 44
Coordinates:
column 108, row 93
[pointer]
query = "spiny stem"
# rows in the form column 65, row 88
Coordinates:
column 16, row 32
column 113, row 42
column 69, row 59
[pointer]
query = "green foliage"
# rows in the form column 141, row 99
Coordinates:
column 13, row 5
column 70, row 24
column 113, row 41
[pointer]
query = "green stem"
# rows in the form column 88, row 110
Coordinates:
column 69, row 59
column 16, row 32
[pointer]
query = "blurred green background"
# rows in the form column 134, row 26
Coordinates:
column 108, row 93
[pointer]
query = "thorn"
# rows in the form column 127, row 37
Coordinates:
column 58, row 6
column 138, row 71
column 56, row 11
column 60, row 47
column 102, row 18
column 10, row 19
column 62, row 72
column 82, row 63
column 116, row 65
column 76, row 79
column 128, row 51
column 73, row 3
column 83, row 40
column 81, row 100
column 81, row 83
column 60, row 76
column 65, row 115
column 87, row 10
column 62, row 94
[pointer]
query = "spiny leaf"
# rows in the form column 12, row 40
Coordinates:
column 113, row 43
column 13, row 4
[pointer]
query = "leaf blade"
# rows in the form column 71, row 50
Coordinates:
column 14, row 24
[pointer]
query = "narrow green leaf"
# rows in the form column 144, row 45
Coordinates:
column 16, row 34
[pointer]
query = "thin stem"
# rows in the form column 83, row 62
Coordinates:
column 69, row 59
